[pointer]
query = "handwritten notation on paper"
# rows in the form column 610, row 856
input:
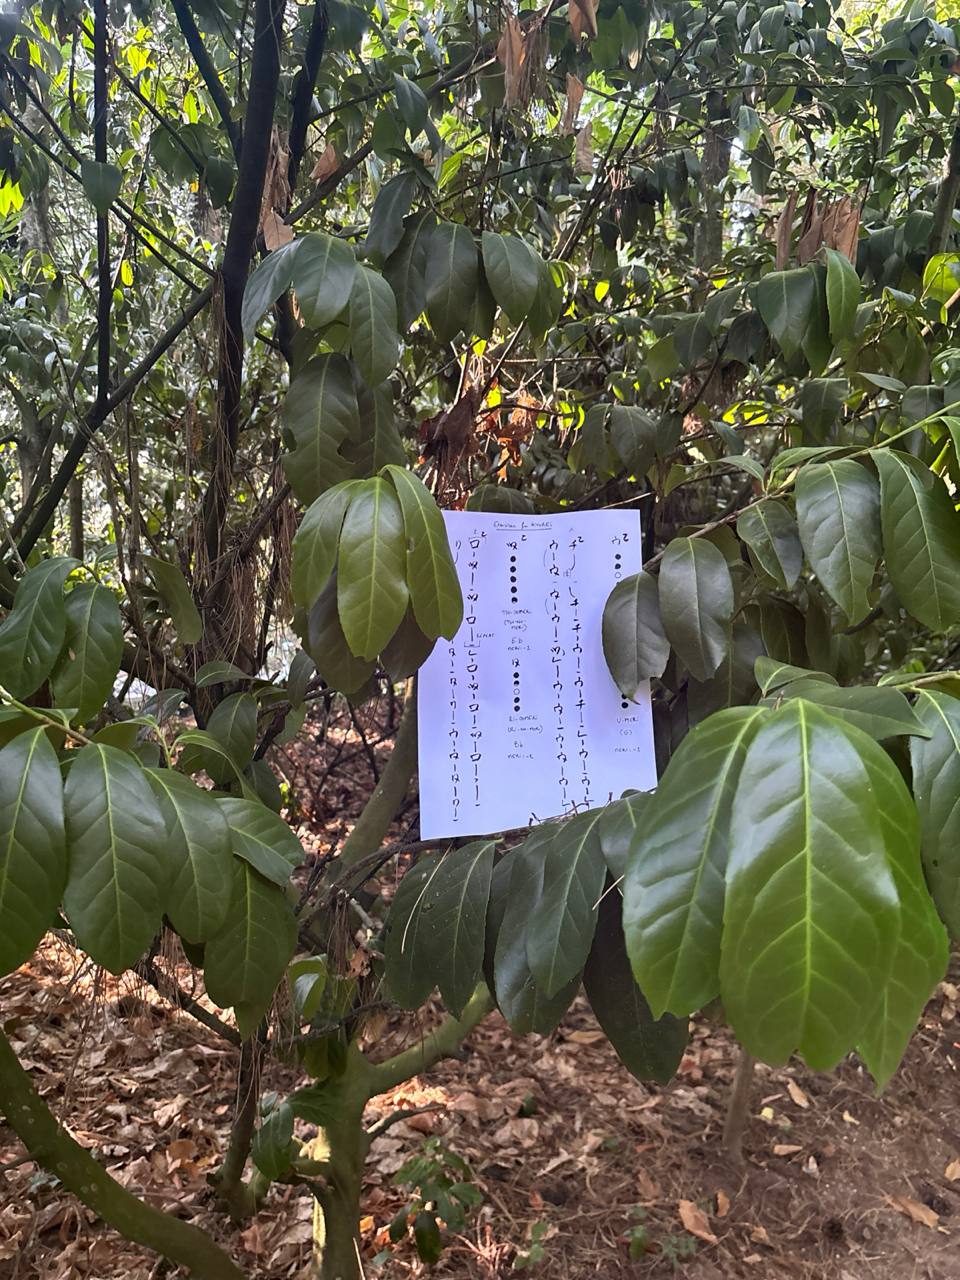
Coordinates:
column 519, row 718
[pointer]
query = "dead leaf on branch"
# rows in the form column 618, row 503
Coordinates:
column 512, row 53
column 571, row 107
column 695, row 1221
column 328, row 163
column 583, row 153
column 583, row 18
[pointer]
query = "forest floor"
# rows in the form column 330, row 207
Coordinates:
column 569, row 1153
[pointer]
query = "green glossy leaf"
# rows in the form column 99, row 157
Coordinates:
column 412, row 103
column 316, row 541
column 198, row 853
column 521, row 1001
column 635, row 645
column 650, row 1049
column 786, row 300
column 921, row 538
column 936, row 786
column 866, row 707
column 374, row 340
column 320, row 414
column 32, row 633
column 33, row 859
column 245, row 963
column 941, row 277
column 770, row 531
column 561, row 926
column 674, row 888
column 327, row 646
column 921, row 955
column 233, row 725
column 386, row 218
column 176, row 598
column 92, row 648
column 201, row 750
column 261, row 838
column 406, row 268
column 843, row 295
column 451, row 277
column 409, row 980
column 102, row 183
column 323, row 272
column 214, row 673
column 821, row 400
column 772, row 675
column 379, row 443
column 513, row 273
column 838, row 512
column 407, row 650
column 118, row 864
column 268, row 281
column 270, row 1148
column 618, row 824
column 372, row 591
column 734, row 683
column 696, row 603
column 633, row 434
column 811, row 916
column 430, row 572
column 448, row 935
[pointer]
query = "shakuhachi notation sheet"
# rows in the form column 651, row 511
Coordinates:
column 519, row 718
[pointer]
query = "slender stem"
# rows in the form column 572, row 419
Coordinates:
column 230, row 1185
column 104, row 280
column 52, row 1147
column 198, row 51
column 738, row 1108
column 442, row 1043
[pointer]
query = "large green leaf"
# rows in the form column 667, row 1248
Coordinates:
column 921, row 538
column 232, row 727
column 635, row 645
column 513, row 273
column 838, row 511
column 786, row 301
column 372, row 589
column 324, row 641
column 633, row 434
column 198, row 854
column 770, row 531
column 320, row 414
column 866, row 707
column 379, row 443
column 451, row 278
column 406, row 268
column 391, row 206
column 32, row 634
column 618, row 824
column 267, row 282
column 322, row 276
column 734, row 683
column 674, row 887
column 118, row 864
column 431, row 575
column 245, row 962
column 93, row 646
column 102, row 183
column 821, row 400
column 936, row 786
column 521, row 1001
column 176, row 598
column 696, row 603
column 261, row 838
column 649, row 1048
column 409, row 980
column 316, row 541
column 811, row 916
column 446, row 941
column 843, row 295
column 561, row 926
column 33, row 861
column 407, row 650
column 921, row 955
column 374, row 340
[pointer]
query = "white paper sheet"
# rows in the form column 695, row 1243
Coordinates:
column 519, row 718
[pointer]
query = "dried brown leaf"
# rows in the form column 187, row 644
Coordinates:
column 785, row 230
column 797, row 1094
column 723, row 1203
column 952, row 1171
column 583, row 18
column 571, row 107
column 786, row 1149
column 914, row 1210
column 695, row 1221
column 327, row 163
column 512, row 52
column 276, row 233
column 583, row 153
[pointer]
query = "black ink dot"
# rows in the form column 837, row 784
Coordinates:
column 513, row 577
column 513, row 559
column 617, row 556
column 625, row 704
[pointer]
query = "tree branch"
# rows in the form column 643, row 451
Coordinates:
column 208, row 72
column 303, row 90
column 104, row 281
column 442, row 1043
